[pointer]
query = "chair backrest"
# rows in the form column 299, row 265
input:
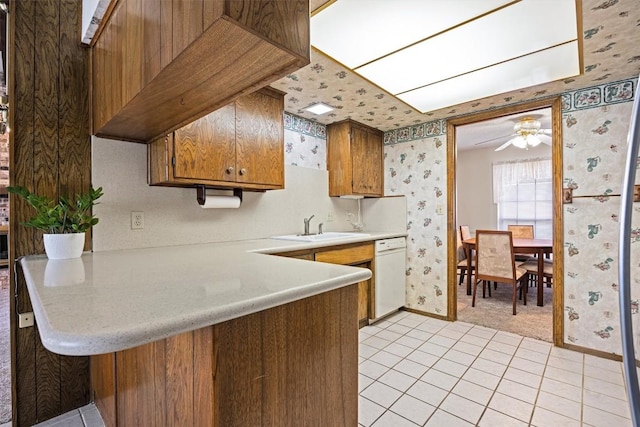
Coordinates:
column 461, row 252
column 464, row 232
column 494, row 256
column 521, row 231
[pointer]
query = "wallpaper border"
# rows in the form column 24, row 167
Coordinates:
column 575, row 100
column 304, row 126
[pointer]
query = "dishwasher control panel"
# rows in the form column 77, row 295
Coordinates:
column 389, row 244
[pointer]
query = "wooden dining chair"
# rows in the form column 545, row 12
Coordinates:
column 465, row 233
column 462, row 259
column 494, row 262
column 532, row 268
column 521, row 231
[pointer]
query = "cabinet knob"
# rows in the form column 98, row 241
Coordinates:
column 230, row 170
column 243, row 171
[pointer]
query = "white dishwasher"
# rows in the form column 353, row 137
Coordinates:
column 390, row 277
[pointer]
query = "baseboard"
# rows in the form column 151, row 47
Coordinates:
column 592, row 352
column 426, row 314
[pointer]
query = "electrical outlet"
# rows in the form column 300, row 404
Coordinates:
column 137, row 220
column 25, row 320
column 331, row 216
column 439, row 210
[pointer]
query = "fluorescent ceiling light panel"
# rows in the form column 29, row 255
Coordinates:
column 319, row 108
column 417, row 49
column 541, row 67
column 492, row 39
column 355, row 32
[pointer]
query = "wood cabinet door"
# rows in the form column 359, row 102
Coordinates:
column 363, row 302
column 366, row 158
column 259, row 136
column 206, row 149
column 357, row 256
column 375, row 164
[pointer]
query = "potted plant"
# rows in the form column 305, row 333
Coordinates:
column 64, row 223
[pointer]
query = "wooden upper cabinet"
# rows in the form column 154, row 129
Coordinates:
column 159, row 65
column 260, row 139
column 240, row 145
column 206, row 148
column 355, row 159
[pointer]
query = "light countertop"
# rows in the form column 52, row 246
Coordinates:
column 113, row 300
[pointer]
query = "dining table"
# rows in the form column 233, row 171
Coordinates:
column 538, row 247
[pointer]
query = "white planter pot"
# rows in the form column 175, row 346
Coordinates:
column 63, row 246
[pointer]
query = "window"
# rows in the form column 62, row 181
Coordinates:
column 522, row 191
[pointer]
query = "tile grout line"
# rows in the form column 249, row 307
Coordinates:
column 388, row 409
column 535, row 402
column 417, row 379
column 449, row 392
column 466, row 337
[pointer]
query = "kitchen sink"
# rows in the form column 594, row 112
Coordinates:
column 329, row 235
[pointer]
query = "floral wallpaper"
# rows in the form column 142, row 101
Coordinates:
column 595, row 126
column 305, row 142
column 418, row 170
column 595, row 143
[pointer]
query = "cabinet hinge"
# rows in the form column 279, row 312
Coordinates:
column 173, row 161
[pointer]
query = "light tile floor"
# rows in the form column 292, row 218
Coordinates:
column 419, row 371
column 87, row 416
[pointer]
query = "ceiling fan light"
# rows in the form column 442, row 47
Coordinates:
column 533, row 140
column 519, row 142
column 526, row 124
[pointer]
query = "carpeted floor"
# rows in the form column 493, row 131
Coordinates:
column 496, row 312
column 5, row 361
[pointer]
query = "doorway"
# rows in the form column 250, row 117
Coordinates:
column 556, row 158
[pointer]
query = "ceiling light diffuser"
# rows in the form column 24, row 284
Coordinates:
column 319, row 108
column 439, row 53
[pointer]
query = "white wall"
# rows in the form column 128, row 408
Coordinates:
column 474, row 183
column 172, row 216
column 385, row 214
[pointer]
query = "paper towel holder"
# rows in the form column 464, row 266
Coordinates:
column 201, row 193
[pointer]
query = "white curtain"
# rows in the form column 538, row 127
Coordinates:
column 506, row 175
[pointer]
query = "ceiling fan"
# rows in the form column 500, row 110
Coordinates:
column 527, row 133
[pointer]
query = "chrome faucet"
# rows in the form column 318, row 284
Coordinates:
column 320, row 228
column 306, row 225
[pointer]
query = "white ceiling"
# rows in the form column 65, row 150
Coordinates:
column 495, row 132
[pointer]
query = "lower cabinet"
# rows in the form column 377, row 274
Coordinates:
column 357, row 255
column 290, row 365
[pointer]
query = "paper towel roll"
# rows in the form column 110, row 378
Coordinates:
column 221, row 202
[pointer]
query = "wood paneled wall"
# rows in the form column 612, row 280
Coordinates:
column 50, row 153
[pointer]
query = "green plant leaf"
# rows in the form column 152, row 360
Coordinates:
column 66, row 216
